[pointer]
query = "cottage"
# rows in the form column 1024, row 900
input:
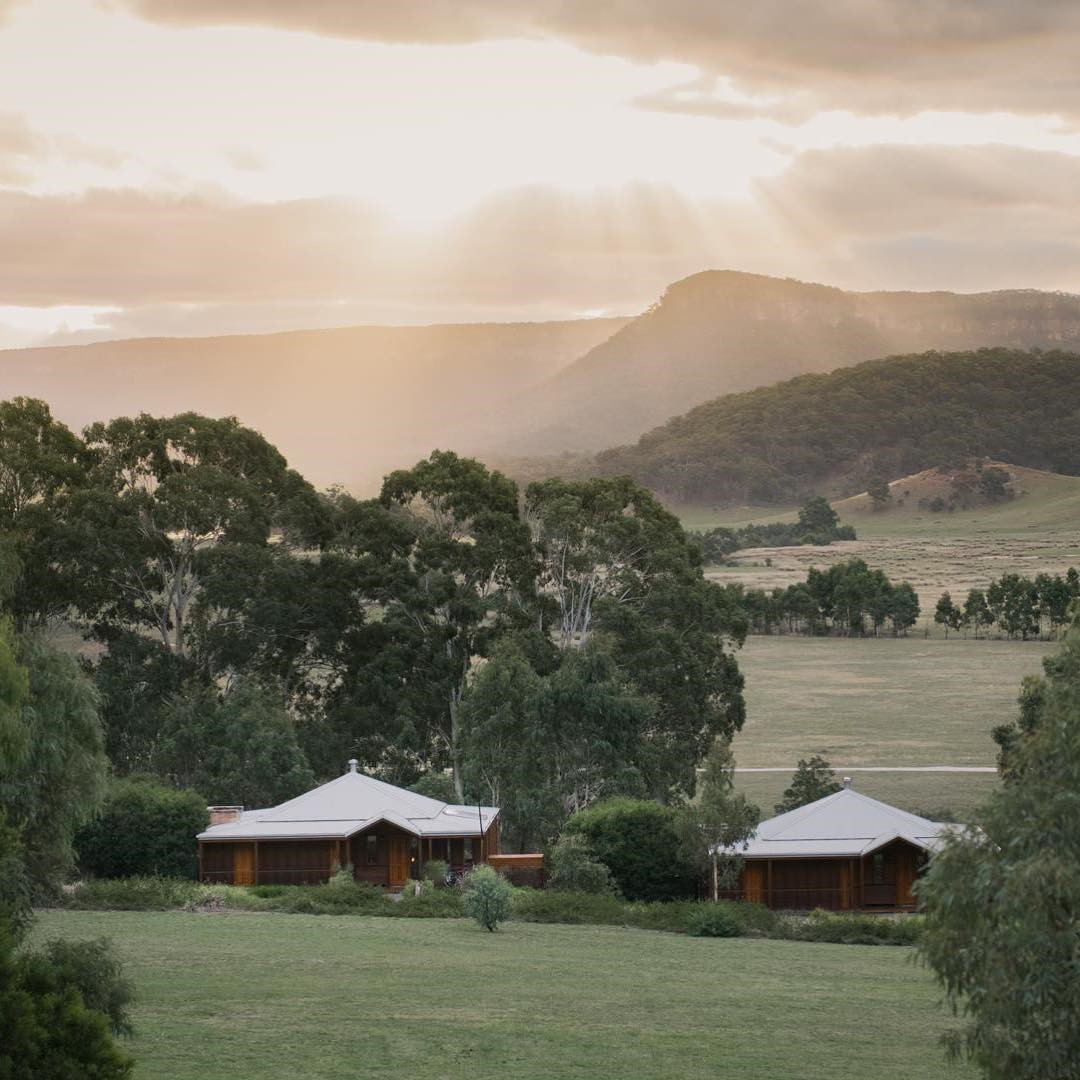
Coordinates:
column 384, row 832
column 844, row 852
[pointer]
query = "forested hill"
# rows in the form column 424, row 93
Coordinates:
column 893, row 416
column 720, row 332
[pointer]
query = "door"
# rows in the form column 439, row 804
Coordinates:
column 399, row 859
column 244, row 864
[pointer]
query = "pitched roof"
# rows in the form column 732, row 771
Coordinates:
column 843, row 824
column 350, row 804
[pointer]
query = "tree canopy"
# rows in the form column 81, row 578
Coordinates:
column 1003, row 901
column 904, row 414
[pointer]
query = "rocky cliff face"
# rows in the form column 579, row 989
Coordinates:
column 724, row 331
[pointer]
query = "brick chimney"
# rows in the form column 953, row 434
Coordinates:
column 223, row 815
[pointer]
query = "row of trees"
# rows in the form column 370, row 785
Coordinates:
column 818, row 523
column 848, row 598
column 1017, row 605
column 251, row 633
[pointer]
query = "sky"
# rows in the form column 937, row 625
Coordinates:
column 228, row 166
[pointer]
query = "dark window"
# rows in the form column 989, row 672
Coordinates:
column 877, row 869
column 468, row 850
column 372, row 849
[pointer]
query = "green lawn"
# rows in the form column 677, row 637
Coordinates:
column 244, row 996
column 881, row 701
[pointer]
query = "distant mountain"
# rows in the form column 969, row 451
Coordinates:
column 894, row 416
column 345, row 406
column 722, row 331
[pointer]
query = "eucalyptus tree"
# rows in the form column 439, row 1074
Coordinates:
column 1003, row 901
column 471, row 575
column 614, row 561
column 161, row 494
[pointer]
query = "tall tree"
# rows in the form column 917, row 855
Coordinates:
column 473, row 573
column 813, row 779
column 977, row 611
column 53, row 783
column 719, row 821
column 1003, row 902
column 236, row 747
column 161, row 494
column 543, row 746
column 947, row 614
column 615, row 561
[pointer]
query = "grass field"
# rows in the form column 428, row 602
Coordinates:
column 250, row 996
column 1037, row 531
column 881, row 701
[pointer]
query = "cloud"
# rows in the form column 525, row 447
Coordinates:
column 966, row 218
column 17, row 144
column 873, row 56
column 923, row 217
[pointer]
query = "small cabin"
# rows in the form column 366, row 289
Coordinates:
column 845, row 852
column 384, row 832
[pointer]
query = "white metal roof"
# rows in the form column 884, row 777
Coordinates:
column 842, row 824
column 348, row 805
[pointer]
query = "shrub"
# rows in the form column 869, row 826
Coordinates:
column 147, row 893
column 144, row 828
column 713, row 920
column 95, row 971
column 430, row 904
column 853, row 929
column 486, row 897
column 551, row 906
column 343, row 876
column 50, row 1023
column 436, row 870
column 575, row 868
column 267, row 891
column 638, row 842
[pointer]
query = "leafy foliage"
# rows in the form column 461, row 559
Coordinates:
column 236, row 747
column 907, row 413
column 58, row 1006
column 143, row 827
column 813, row 780
column 487, row 897
column 847, row 598
column 1002, row 918
column 55, row 786
column 574, row 868
column 638, row 841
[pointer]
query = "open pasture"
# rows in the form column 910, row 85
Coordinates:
column 251, row 996
column 881, row 701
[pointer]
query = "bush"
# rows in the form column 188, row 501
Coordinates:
column 61, row 1008
column 713, row 920
column 344, row 876
column 486, row 897
column 530, row 905
column 436, row 870
column 144, row 828
column 148, row 893
column 574, row 867
column 638, row 842
column 853, row 929
column 267, row 891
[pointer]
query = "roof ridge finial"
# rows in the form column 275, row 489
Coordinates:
column 847, row 782
column 353, row 765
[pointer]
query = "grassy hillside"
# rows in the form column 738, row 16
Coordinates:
column 894, row 416
column 720, row 332
column 345, row 405
column 249, row 996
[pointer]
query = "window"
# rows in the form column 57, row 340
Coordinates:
column 877, row 869
column 372, row 847
column 468, row 850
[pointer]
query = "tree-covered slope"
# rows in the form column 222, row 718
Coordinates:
column 892, row 416
column 723, row 331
